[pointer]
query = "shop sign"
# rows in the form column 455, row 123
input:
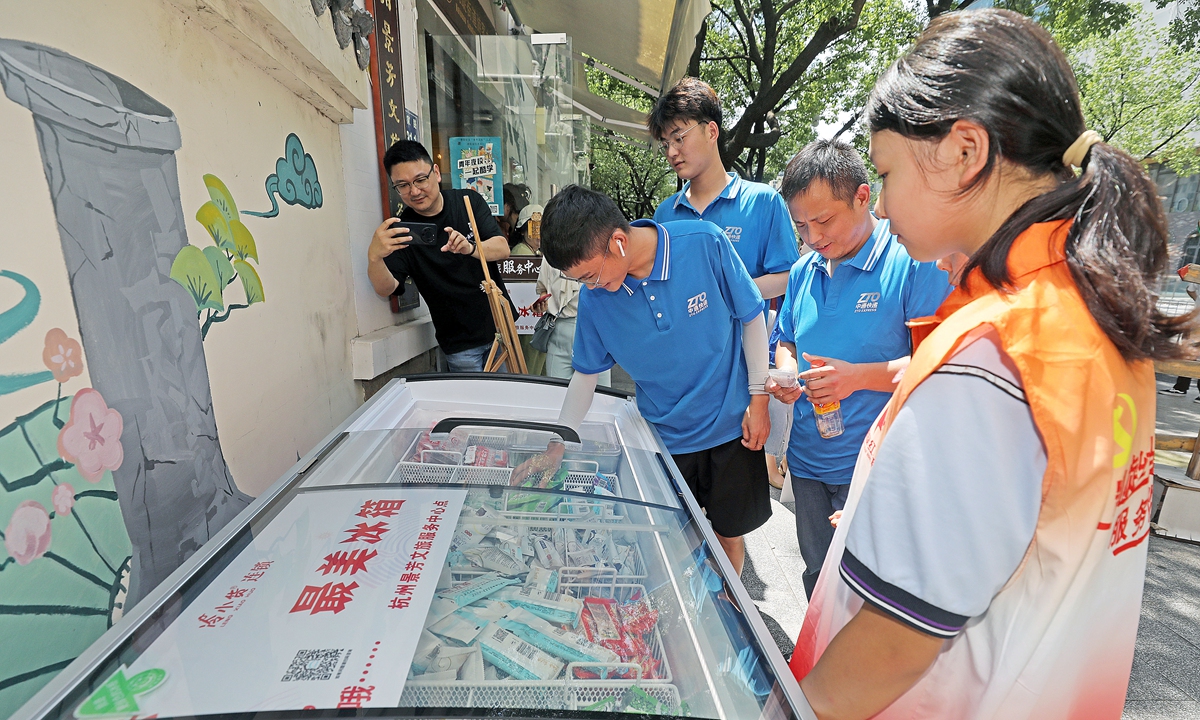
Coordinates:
column 466, row 16
column 524, row 295
column 475, row 164
column 323, row 609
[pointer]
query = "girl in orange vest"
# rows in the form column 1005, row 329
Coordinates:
column 990, row 559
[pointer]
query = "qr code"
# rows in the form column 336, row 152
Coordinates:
column 313, row 665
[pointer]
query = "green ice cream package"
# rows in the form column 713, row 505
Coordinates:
column 553, row 606
column 467, row 592
column 608, row 704
column 533, row 502
column 517, row 657
column 638, row 702
column 560, row 643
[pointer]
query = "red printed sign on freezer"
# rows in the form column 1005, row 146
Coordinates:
column 323, row 609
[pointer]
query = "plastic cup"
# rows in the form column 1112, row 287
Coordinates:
column 784, row 378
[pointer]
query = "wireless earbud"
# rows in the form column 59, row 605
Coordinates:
column 621, row 248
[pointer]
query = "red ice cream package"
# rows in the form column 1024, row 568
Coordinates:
column 601, row 622
column 637, row 616
column 484, row 456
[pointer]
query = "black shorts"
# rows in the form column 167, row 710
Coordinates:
column 730, row 483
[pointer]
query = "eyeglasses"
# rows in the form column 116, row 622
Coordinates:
column 675, row 141
column 420, row 181
column 593, row 283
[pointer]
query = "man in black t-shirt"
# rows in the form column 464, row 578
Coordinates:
column 448, row 276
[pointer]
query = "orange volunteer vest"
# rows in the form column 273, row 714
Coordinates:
column 1057, row 641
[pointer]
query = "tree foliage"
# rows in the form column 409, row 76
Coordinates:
column 1139, row 91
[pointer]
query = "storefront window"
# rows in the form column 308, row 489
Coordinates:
column 508, row 100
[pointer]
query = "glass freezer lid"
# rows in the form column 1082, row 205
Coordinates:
column 402, row 575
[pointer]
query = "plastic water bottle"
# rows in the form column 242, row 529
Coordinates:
column 829, row 415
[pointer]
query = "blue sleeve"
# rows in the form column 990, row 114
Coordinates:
column 737, row 287
column 588, row 354
column 925, row 289
column 785, row 322
column 781, row 251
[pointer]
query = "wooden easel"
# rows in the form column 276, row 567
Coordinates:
column 507, row 346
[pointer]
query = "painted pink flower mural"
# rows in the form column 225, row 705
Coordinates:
column 92, row 437
column 27, row 536
column 63, row 499
column 62, row 355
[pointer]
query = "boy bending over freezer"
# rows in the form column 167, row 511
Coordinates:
column 672, row 303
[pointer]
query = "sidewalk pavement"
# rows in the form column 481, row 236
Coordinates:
column 1165, row 683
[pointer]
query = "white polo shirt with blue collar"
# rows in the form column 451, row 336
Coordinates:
column 857, row 314
column 678, row 333
column 754, row 217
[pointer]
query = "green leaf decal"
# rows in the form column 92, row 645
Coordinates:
column 192, row 270
column 211, row 218
column 220, row 264
column 221, row 197
column 250, row 282
column 243, row 241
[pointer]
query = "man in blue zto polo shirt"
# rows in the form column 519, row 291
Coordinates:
column 686, row 121
column 674, row 305
column 843, row 325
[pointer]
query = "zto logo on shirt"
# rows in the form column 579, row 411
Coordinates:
column 867, row 302
column 697, row 304
column 734, row 232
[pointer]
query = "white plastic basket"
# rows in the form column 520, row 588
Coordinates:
column 527, row 695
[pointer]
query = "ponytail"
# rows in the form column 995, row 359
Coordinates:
column 1003, row 71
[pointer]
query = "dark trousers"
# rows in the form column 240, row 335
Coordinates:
column 1183, row 383
column 815, row 502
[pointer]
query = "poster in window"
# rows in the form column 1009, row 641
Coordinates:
column 475, row 164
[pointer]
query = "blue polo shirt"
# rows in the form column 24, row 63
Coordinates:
column 678, row 333
column 753, row 216
column 857, row 315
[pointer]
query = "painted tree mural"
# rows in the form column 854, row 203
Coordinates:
column 107, row 150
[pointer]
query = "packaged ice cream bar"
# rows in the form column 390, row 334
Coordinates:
column 601, row 622
column 472, row 669
column 585, row 557
column 560, row 643
column 638, row 702
column 513, row 550
column 448, row 659
column 517, row 657
column 637, row 616
column 461, row 626
column 542, row 579
column 547, row 554
column 553, row 606
column 491, row 558
column 484, row 456
column 427, row 645
column 465, row 593
column 533, row 502
column 490, row 610
column 438, row 609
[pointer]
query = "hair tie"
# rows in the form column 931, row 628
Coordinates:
column 1075, row 154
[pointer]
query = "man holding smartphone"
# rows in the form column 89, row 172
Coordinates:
column 444, row 264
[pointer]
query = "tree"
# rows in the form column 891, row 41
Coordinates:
column 1139, row 91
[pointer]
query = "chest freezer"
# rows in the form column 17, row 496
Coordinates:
column 398, row 571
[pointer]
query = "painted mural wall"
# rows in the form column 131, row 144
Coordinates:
column 176, row 308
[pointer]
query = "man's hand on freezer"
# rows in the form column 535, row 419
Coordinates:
column 539, row 469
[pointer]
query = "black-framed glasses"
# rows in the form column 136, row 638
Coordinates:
column 593, row 283
column 676, row 140
column 420, row 181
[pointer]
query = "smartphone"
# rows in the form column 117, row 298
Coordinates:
column 422, row 233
